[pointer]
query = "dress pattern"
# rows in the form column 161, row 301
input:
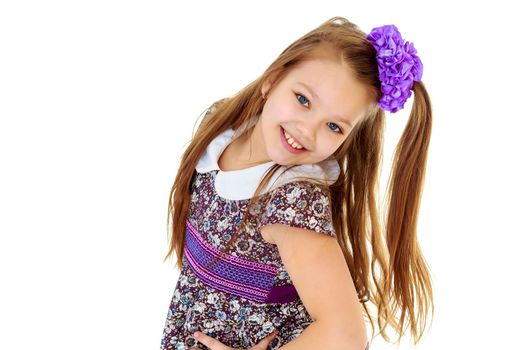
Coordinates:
column 247, row 293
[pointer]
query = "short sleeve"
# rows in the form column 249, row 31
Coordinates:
column 300, row 204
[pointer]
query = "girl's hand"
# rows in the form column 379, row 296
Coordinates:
column 214, row 344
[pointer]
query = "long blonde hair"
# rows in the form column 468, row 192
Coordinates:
column 385, row 260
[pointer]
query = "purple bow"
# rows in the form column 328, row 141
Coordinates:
column 399, row 66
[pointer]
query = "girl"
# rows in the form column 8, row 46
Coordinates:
column 274, row 217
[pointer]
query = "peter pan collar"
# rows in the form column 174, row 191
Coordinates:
column 241, row 184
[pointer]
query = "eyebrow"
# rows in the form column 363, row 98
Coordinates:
column 341, row 119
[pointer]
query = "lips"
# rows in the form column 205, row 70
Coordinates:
column 293, row 137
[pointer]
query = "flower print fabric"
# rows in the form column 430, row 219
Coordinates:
column 246, row 293
column 303, row 205
column 227, row 315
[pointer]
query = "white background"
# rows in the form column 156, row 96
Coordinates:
column 98, row 100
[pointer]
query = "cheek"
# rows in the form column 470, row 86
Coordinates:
column 328, row 144
column 279, row 111
column 325, row 148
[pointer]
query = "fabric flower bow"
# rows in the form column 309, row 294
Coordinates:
column 399, row 66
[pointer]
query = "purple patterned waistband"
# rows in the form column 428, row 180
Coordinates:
column 232, row 274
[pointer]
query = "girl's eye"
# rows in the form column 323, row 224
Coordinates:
column 299, row 99
column 337, row 128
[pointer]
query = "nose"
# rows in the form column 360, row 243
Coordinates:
column 306, row 133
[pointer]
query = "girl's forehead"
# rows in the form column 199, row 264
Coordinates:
column 322, row 67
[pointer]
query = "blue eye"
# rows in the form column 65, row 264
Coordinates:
column 299, row 95
column 338, row 128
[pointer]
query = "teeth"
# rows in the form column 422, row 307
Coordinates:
column 294, row 145
column 291, row 141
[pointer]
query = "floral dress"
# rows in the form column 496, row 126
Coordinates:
column 246, row 293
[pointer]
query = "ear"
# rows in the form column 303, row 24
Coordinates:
column 269, row 81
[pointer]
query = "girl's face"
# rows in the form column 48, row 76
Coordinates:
column 316, row 103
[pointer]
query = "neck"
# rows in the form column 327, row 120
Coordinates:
column 250, row 147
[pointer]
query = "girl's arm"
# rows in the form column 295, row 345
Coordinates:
column 314, row 337
column 321, row 277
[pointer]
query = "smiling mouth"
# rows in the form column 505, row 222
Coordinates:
column 295, row 146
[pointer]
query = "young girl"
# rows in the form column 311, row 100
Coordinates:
column 274, row 216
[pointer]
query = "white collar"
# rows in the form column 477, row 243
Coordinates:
column 241, row 184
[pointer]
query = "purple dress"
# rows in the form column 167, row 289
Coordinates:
column 247, row 293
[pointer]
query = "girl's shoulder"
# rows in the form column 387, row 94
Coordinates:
column 305, row 177
column 301, row 203
column 300, row 188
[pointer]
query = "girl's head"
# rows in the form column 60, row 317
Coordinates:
column 317, row 100
column 322, row 89
column 325, row 90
